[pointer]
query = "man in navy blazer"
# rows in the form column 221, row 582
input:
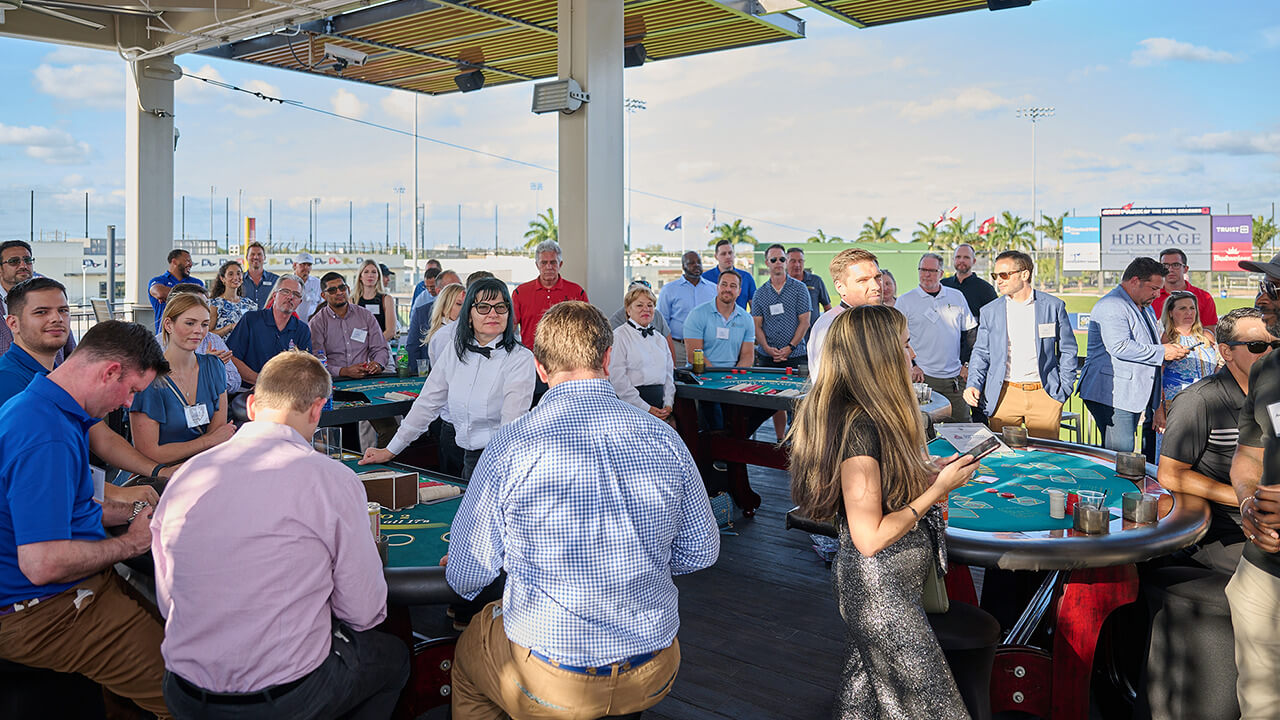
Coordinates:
column 1121, row 375
column 1024, row 360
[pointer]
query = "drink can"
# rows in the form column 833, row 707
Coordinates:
column 375, row 519
column 699, row 361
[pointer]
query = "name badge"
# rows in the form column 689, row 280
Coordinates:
column 197, row 415
column 722, row 333
column 267, row 283
column 1046, row 330
column 359, row 334
column 99, row 482
column 776, row 309
column 1274, row 411
column 932, row 315
column 374, row 309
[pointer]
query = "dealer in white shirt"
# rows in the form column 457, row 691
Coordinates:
column 640, row 368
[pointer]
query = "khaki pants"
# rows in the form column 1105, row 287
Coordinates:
column 109, row 639
column 951, row 388
column 1027, row 403
column 1254, row 596
column 495, row 678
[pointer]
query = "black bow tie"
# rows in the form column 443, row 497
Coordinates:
column 644, row 332
column 478, row 350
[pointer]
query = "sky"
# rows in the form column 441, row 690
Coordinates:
column 1157, row 102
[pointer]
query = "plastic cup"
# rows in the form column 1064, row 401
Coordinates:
column 1057, row 503
column 1092, row 498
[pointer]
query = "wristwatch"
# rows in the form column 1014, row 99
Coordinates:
column 138, row 506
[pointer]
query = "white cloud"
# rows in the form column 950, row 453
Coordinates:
column 966, row 101
column 1271, row 36
column 189, row 90
column 51, row 145
column 346, row 103
column 1235, row 142
column 96, row 84
column 1157, row 50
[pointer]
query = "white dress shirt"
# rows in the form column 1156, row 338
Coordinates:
column 639, row 360
column 440, row 342
column 482, row 394
column 1023, row 363
column 936, row 323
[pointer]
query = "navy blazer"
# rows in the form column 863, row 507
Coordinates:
column 1056, row 351
column 1124, row 358
column 419, row 324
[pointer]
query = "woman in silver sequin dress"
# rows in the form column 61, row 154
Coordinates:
column 856, row 457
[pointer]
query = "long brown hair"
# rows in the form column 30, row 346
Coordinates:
column 863, row 374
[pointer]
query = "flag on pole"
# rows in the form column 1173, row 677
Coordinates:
column 674, row 225
column 711, row 224
column 987, row 225
column 1127, row 207
column 951, row 214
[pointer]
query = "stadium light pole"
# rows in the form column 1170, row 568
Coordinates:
column 1034, row 114
column 399, row 191
column 632, row 106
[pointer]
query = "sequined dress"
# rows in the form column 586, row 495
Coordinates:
column 893, row 668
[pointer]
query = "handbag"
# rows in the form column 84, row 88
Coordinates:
column 935, row 591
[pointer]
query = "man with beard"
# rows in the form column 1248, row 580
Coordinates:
column 977, row 292
column 179, row 272
column 258, row 283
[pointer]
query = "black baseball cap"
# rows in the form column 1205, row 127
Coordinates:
column 385, row 270
column 1268, row 268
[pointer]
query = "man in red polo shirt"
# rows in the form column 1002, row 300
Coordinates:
column 535, row 297
column 1176, row 280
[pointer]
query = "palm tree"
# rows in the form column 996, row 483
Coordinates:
column 822, row 237
column 1051, row 227
column 927, row 232
column 735, row 233
column 1264, row 231
column 956, row 232
column 1010, row 233
column 876, row 231
column 541, row 228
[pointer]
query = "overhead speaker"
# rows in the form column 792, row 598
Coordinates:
column 470, row 81
column 633, row 55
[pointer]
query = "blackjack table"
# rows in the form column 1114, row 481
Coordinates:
column 377, row 396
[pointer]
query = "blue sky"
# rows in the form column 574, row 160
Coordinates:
column 1158, row 103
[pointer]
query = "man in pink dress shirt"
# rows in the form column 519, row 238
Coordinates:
column 267, row 573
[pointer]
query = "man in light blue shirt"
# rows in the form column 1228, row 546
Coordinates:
column 591, row 507
column 679, row 297
column 722, row 330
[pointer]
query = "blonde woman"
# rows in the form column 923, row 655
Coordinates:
column 185, row 411
column 1181, row 320
column 372, row 296
column 856, row 459
column 640, row 368
column 444, row 311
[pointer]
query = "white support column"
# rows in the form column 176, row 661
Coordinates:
column 149, row 149
column 591, row 209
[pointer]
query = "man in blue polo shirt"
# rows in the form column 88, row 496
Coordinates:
column 724, row 263
column 62, row 607
column 722, row 330
column 258, row 282
column 263, row 334
column 179, row 272
column 39, row 321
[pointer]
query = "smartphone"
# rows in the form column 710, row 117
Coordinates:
column 984, row 448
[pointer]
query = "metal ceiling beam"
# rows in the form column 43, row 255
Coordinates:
column 339, row 23
column 423, row 54
column 752, row 10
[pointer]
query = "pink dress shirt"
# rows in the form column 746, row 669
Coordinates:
column 257, row 542
column 333, row 334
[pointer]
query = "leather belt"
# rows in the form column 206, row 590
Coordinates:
column 25, row 604
column 1025, row 386
column 267, row 695
column 606, row 671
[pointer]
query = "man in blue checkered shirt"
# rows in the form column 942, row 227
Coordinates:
column 591, row 506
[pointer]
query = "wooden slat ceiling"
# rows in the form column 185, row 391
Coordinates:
column 868, row 13
column 422, row 45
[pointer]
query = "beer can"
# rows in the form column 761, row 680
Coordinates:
column 375, row 518
column 699, row 361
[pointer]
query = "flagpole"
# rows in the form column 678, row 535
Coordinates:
column 683, row 245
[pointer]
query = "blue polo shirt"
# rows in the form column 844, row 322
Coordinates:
column 17, row 367
column 259, row 292
column 256, row 339
column 167, row 280
column 721, row 339
column 780, row 313
column 679, row 297
column 747, row 289
column 46, row 491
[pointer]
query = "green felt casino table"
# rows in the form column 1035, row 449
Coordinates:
column 365, row 399
column 1026, row 475
column 419, row 536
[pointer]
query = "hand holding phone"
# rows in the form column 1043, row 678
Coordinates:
column 984, row 448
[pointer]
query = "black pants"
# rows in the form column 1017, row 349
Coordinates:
column 469, row 460
column 450, row 454
column 360, row 678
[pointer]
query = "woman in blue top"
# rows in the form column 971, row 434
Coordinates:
column 1181, row 320
column 184, row 412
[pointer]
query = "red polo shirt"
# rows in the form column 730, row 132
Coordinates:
column 1204, row 301
column 532, row 300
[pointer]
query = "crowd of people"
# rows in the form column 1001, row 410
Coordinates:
column 581, row 496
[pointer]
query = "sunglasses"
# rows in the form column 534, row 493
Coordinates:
column 778, row 259
column 1257, row 347
column 486, row 308
column 1004, row 275
column 1265, row 286
column 16, row 261
column 336, row 289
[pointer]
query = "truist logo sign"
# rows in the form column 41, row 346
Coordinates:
column 1158, row 233
column 1232, row 230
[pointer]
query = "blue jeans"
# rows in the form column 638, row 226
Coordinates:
column 1118, row 426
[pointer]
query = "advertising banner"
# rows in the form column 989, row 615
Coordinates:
column 1125, row 237
column 1232, row 241
column 1081, row 243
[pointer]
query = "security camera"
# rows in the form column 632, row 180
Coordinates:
column 344, row 56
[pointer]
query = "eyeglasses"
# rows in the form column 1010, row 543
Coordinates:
column 778, row 259
column 334, row 290
column 929, row 270
column 1257, row 347
column 1269, row 288
column 16, row 261
column 486, row 308
column 1173, row 265
column 290, row 293
column 1004, row 275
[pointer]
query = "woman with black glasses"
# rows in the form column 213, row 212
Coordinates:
column 485, row 379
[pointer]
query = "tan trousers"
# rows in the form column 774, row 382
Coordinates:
column 1041, row 413
column 495, row 678
column 110, row 639
column 1254, row 596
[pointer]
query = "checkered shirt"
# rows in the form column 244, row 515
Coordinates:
column 591, row 506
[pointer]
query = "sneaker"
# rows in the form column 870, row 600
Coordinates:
column 720, row 466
